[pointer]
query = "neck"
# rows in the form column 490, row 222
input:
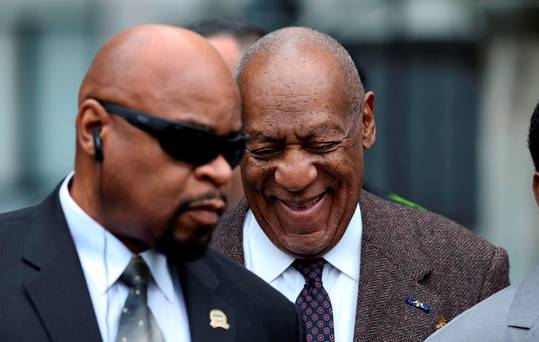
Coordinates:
column 85, row 199
column 91, row 202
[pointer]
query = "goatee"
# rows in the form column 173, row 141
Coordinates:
column 195, row 247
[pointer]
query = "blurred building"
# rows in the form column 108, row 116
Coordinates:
column 455, row 84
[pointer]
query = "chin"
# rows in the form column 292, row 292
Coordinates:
column 184, row 250
column 305, row 249
column 187, row 248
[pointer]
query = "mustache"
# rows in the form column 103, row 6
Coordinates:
column 186, row 203
column 196, row 246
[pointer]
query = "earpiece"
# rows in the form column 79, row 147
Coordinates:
column 98, row 146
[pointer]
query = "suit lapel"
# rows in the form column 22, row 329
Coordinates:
column 228, row 237
column 393, row 270
column 53, row 277
column 524, row 311
column 199, row 285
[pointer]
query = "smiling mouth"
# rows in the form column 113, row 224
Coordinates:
column 303, row 204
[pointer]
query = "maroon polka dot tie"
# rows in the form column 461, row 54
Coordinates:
column 313, row 302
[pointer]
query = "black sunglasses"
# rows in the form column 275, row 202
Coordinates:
column 188, row 143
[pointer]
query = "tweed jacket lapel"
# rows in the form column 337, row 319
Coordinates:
column 54, row 280
column 393, row 269
column 228, row 237
column 524, row 311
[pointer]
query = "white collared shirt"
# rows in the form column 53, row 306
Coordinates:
column 104, row 258
column 340, row 276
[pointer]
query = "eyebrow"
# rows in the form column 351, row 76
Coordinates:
column 262, row 137
column 321, row 130
column 324, row 129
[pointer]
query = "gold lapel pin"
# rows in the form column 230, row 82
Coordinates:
column 441, row 322
column 218, row 319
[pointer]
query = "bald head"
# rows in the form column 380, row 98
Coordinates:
column 299, row 46
column 142, row 61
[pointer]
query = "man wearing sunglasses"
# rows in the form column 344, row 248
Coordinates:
column 118, row 251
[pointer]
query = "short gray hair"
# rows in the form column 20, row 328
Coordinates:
column 306, row 37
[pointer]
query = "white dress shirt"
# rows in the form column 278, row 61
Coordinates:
column 104, row 258
column 340, row 276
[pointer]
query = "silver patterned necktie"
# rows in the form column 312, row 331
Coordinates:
column 137, row 323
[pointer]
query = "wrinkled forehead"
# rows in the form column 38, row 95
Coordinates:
column 293, row 65
column 303, row 129
column 291, row 89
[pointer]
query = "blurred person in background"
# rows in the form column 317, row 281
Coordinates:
column 231, row 38
column 358, row 267
column 511, row 314
column 118, row 251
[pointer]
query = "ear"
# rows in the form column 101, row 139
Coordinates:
column 535, row 187
column 91, row 115
column 368, row 125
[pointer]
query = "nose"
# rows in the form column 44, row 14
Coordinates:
column 218, row 171
column 295, row 171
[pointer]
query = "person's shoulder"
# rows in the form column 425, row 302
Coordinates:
column 265, row 306
column 431, row 230
column 14, row 227
column 17, row 214
column 238, row 278
column 417, row 218
column 14, row 221
column 464, row 267
column 486, row 321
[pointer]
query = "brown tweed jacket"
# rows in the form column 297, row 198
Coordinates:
column 405, row 253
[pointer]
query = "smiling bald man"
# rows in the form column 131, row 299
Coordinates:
column 358, row 267
column 118, row 251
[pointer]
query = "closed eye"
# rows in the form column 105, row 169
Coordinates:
column 323, row 147
column 265, row 152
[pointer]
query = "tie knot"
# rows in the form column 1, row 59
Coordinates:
column 136, row 274
column 310, row 269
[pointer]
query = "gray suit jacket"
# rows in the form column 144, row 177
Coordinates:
column 405, row 253
column 509, row 315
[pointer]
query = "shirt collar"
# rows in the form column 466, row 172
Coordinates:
column 268, row 262
column 103, row 257
column 264, row 258
column 342, row 255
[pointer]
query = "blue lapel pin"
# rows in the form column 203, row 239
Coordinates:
column 417, row 304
